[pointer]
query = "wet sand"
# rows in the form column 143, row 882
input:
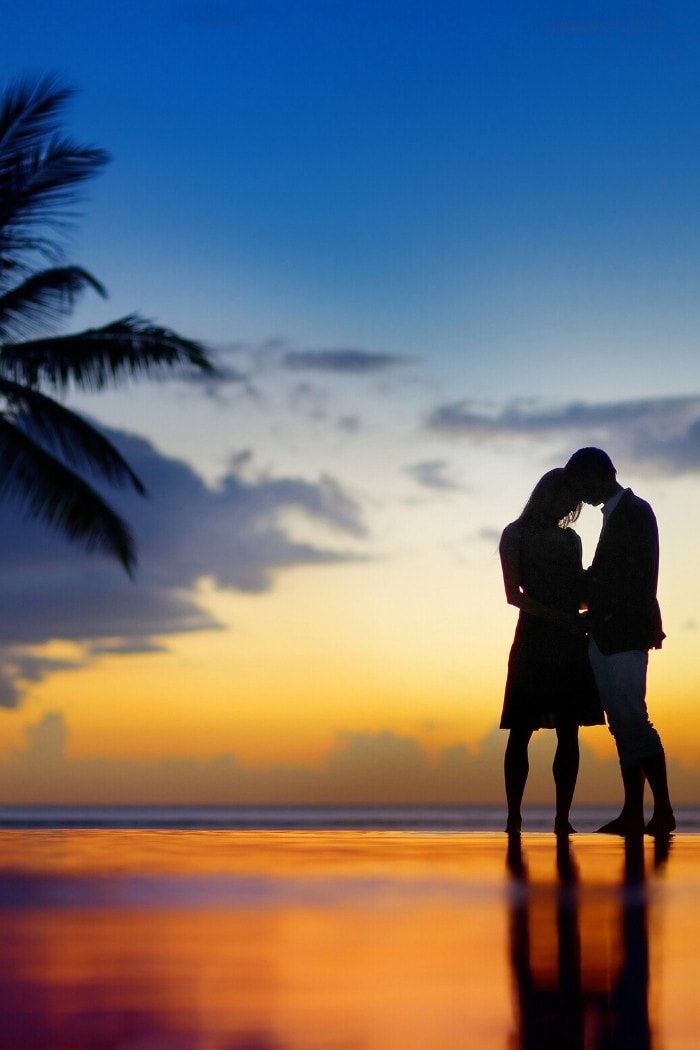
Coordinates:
column 344, row 940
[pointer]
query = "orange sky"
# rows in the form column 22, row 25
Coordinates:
column 374, row 681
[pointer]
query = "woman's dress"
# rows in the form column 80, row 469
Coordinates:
column 550, row 682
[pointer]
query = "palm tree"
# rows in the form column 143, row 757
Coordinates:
column 45, row 448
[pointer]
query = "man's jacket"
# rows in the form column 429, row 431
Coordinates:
column 621, row 582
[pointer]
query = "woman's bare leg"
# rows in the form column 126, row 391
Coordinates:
column 565, row 770
column 516, row 767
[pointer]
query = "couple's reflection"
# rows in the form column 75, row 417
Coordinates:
column 580, row 954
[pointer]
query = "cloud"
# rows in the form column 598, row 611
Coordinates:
column 214, row 386
column 342, row 362
column 360, row 768
column 242, row 362
column 433, row 474
column 234, row 369
column 46, row 741
column 658, row 434
column 20, row 667
column 349, row 424
column 127, row 647
column 489, row 534
column 238, row 535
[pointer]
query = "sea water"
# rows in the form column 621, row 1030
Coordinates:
column 313, row 818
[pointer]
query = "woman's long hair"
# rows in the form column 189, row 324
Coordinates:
column 541, row 508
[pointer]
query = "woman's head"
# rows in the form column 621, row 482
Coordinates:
column 551, row 501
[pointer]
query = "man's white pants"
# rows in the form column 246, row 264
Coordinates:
column 622, row 684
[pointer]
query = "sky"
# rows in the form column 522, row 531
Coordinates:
column 433, row 247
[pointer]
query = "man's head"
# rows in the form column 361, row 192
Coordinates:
column 591, row 475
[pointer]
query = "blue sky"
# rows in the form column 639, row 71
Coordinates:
column 500, row 189
column 435, row 246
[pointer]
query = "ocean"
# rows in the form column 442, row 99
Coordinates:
column 312, row 818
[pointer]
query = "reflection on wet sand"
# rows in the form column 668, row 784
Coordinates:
column 580, row 957
column 281, row 941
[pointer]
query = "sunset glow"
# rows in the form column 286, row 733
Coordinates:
column 381, row 939
column 433, row 249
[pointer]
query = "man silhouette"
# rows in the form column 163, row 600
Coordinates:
column 625, row 623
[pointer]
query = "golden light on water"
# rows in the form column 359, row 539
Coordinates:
column 333, row 939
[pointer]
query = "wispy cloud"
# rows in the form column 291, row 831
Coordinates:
column 489, row 534
column 217, row 385
column 433, row 474
column 342, row 362
column 654, row 433
column 236, row 535
column 20, row 667
column 349, row 424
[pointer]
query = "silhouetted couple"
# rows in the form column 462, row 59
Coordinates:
column 567, row 667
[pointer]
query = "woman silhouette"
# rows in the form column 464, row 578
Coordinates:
column 550, row 684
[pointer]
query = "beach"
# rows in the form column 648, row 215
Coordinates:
column 147, row 938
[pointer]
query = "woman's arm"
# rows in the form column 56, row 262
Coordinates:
column 509, row 550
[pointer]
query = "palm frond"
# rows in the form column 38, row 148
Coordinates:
column 49, row 491
column 100, row 357
column 42, row 299
column 36, row 193
column 40, row 172
column 44, row 447
column 29, row 111
column 66, row 433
